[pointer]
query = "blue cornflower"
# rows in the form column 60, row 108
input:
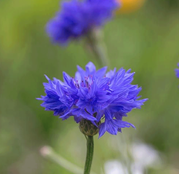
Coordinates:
column 177, row 71
column 94, row 95
column 78, row 17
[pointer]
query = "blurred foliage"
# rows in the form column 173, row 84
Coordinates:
column 170, row 4
column 145, row 41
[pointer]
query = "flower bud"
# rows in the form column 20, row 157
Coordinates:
column 88, row 128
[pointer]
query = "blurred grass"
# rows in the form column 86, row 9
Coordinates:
column 145, row 41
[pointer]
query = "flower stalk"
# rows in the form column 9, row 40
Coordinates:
column 48, row 152
column 89, row 154
column 97, row 47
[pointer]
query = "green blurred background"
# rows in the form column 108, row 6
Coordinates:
column 146, row 41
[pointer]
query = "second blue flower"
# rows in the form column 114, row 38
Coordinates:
column 78, row 17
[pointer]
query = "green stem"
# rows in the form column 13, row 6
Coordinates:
column 89, row 154
column 97, row 47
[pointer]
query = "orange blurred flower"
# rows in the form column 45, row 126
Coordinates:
column 128, row 6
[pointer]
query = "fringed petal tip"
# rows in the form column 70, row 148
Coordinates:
column 46, row 77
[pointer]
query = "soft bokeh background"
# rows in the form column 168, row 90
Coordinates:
column 146, row 41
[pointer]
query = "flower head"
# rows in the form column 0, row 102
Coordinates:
column 103, row 99
column 177, row 71
column 77, row 17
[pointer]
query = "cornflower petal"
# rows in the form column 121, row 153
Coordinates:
column 177, row 71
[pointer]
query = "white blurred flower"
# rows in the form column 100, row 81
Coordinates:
column 115, row 167
column 143, row 156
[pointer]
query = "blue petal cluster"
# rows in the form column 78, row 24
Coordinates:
column 94, row 95
column 77, row 17
column 177, row 71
